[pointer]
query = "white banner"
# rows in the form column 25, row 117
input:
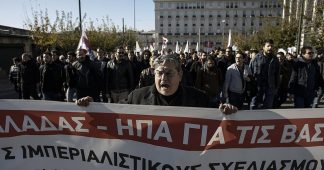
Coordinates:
column 55, row 135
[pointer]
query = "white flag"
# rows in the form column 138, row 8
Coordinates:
column 177, row 50
column 229, row 38
column 137, row 48
column 165, row 42
column 197, row 47
column 186, row 50
column 84, row 42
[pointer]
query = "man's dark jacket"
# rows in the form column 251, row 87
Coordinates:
column 185, row 96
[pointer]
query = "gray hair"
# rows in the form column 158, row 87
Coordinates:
column 168, row 58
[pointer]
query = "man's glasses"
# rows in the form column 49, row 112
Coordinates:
column 165, row 73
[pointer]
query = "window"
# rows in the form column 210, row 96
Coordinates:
column 210, row 25
column 161, row 5
column 161, row 25
column 169, row 5
column 202, row 25
column 169, row 25
column 252, row 14
column 193, row 25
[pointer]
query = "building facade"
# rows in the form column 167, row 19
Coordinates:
column 13, row 42
column 209, row 21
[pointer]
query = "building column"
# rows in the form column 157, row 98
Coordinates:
column 290, row 10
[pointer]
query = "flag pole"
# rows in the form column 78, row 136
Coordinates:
column 198, row 39
column 80, row 20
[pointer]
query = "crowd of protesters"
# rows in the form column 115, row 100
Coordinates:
column 263, row 79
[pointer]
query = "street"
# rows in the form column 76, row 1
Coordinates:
column 7, row 90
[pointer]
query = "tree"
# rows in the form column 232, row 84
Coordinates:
column 315, row 27
column 280, row 31
column 64, row 33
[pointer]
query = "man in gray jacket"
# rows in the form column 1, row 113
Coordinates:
column 235, row 82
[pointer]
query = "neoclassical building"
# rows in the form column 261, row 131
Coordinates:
column 210, row 20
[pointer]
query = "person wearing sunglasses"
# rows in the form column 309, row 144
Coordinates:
column 305, row 79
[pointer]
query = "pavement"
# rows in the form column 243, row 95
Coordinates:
column 7, row 90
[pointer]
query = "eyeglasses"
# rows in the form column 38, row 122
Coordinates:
column 168, row 74
column 310, row 53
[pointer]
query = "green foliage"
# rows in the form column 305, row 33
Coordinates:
column 64, row 33
column 283, row 35
column 315, row 28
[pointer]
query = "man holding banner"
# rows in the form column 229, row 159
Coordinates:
column 167, row 90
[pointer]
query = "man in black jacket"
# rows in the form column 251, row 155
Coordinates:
column 51, row 79
column 88, row 76
column 29, row 77
column 119, row 77
column 305, row 79
column 265, row 69
column 167, row 90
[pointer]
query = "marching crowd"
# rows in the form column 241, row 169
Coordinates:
column 264, row 79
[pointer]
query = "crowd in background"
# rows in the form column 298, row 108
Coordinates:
column 248, row 80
